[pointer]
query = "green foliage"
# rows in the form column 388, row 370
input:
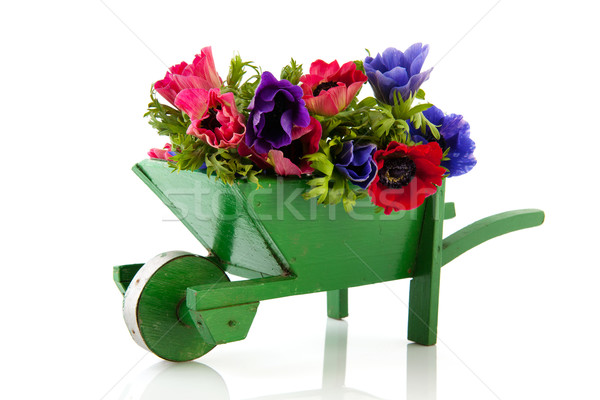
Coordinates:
column 246, row 93
column 389, row 122
column 292, row 72
column 332, row 187
column 236, row 72
column 165, row 119
column 243, row 92
column 404, row 109
column 229, row 166
column 386, row 127
column 352, row 123
column 191, row 152
column 359, row 65
column 420, row 122
column 225, row 164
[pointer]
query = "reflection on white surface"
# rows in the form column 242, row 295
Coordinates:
column 421, row 372
column 181, row 381
column 193, row 380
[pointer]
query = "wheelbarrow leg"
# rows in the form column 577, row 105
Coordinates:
column 425, row 285
column 337, row 303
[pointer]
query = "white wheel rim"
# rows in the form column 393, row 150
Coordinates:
column 136, row 287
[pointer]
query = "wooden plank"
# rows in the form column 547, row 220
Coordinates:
column 225, row 324
column 224, row 294
column 449, row 211
column 425, row 286
column 489, row 228
column 216, row 214
column 337, row 303
column 123, row 275
column 328, row 248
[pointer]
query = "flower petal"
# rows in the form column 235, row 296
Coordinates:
column 282, row 165
column 193, row 102
column 413, row 52
column 416, row 81
column 322, row 105
column 392, row 58
column 321, row 68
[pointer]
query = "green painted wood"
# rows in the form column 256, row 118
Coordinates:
column 123, row 275
column 425, row 286
column 337, row 303
column 328, row 248
column 489, row 228
column 224, row 294
column 286, row 246
column 449, row 211
column 225, row 324
column 215, row 214
column 323, row 247
column 162, row 323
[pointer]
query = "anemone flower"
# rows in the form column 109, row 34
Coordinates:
column 397, row 72
column 455, row 137
column 329, row 88
column 406, row 175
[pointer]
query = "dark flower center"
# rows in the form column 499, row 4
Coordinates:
column 210, row 122
column 273, row 118
column 323, row 86
column 430, row 138
column 294, row 152
column 397, row 172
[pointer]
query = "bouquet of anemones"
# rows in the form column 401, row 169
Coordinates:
column 394, row 147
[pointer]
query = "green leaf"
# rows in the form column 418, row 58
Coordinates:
column 315, row 192
column 165, row 119
column 418, row 109
column 403, row 124
column 337, row 191
column 383, row 127
column 359, row 65
column 292, row 72
column 426, row 124
column 349, row 199
column 367, row 102
column 420, row 94
column 318, row 181
column 236, row 71
column 320, row 162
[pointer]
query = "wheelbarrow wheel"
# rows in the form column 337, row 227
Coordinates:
column 153, row 300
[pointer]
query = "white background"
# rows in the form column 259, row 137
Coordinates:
column 518, row 315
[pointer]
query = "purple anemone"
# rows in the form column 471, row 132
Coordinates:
column 276, row 107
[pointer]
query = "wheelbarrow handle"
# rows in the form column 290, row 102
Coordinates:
column 488, row 228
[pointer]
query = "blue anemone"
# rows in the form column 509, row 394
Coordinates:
column 395, row 71
column 455, row 137
column 355, row 161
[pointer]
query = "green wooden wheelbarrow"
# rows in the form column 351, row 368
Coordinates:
column 180, row 305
